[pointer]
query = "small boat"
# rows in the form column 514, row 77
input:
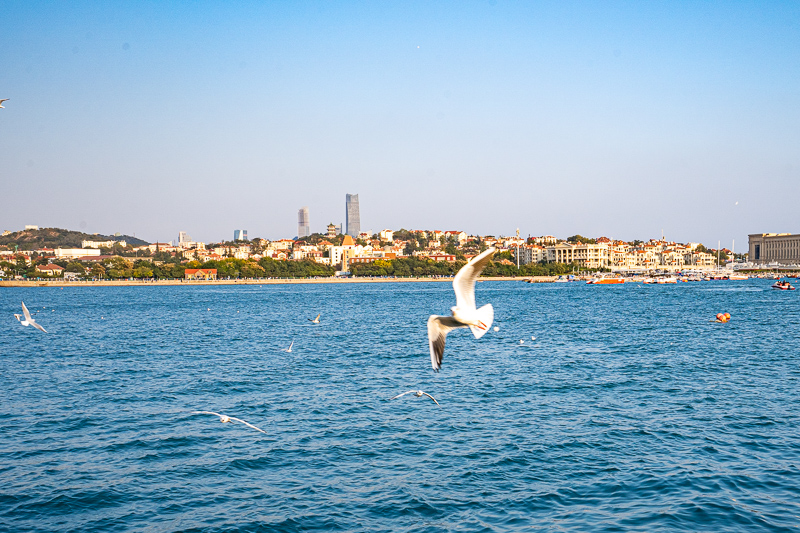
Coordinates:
column 782, row 285
column 605, row 281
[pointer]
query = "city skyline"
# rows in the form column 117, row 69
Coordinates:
column 615, row 119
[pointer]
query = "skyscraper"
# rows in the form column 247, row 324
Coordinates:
column 303, row 222
column 240, row 235
column 352, row 216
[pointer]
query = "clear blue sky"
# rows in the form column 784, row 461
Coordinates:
column 607, row 118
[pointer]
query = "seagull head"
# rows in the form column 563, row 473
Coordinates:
column 418, row 393
column 224, row 419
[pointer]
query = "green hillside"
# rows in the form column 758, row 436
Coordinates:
column 59, row 238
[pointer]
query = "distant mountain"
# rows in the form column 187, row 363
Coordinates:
column 60, row 238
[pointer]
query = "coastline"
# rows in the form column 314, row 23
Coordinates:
column 266, row 281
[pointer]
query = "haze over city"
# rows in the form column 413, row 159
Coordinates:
column 615, row 119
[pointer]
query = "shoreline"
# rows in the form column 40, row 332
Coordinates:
column 266, row 281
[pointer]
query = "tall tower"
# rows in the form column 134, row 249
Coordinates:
column 303, row 222
column 352, row 216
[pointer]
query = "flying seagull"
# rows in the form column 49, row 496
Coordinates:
column 29, row 321
column 289, row 349
column 225, row 418
column 464, row 313
column 417, row 393
column 1, row 102
column 315, row 320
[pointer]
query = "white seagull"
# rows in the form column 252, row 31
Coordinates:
column 1, row 102
column 225, row 419
column 464, row 313
column 315, row 320
column 289, row 349
column 29, row 321
column 418, row 394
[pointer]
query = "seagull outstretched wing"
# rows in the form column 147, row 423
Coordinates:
column 464, row 282
column 26, row 312
column 438, row 328
column 248, row 424
column 399, row 395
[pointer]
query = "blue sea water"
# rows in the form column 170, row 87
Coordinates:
column 630, row 411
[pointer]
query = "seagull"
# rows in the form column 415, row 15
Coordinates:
column 464, row 312
column 29, row 321
column 418, row 394
column 289, row 349
column 315, row 320
column 1, row 102
column 225, row 418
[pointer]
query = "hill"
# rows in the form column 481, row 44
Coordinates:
column 60, row 238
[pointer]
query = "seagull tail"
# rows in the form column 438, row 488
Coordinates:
column 486, row 316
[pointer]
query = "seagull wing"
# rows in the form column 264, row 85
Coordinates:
column 438, row 328
column 248, row 424
column 37, row 326
column 464, row 282
column 407, row 392
column 206, row 413
column 290, row 346
column 26, row 312
column 431, row 397
column 18, row 317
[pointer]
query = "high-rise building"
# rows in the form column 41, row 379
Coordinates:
column 240, row 235
column 303, row 223
column 352, row 216
column 183, row 237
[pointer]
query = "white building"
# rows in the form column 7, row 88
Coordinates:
column 71, row 253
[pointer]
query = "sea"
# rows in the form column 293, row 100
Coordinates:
column 591, row 408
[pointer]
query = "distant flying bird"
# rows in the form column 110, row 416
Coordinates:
column 464, row 313
column 289, row 349
column 3, row 100
column 225, row 419
column 29, row 321
column 417, row 393
column 315, row 320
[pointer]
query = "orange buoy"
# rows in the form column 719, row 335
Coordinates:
column 727, row 316
column 720, row 317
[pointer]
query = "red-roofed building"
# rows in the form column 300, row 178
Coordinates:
column 200, row 273
column 50, row 269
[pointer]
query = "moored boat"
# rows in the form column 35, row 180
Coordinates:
column 605, row 281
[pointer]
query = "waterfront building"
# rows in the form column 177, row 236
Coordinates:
column 240, row 235
column 303, row 222
column 585, row 255
column 50, row 269
column 781, row 248
column 529, row 253
column 352, row 215
column 200, row 273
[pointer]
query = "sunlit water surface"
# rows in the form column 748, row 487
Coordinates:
column 630, row 411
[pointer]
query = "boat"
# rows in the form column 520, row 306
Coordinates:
column 668, row 280
column 605, row 281
column 782, row 285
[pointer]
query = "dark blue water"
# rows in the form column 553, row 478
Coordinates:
column 631, row 411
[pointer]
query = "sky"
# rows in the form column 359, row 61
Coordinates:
column 618, row 119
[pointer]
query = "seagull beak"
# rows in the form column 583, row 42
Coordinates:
column 482, row 325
